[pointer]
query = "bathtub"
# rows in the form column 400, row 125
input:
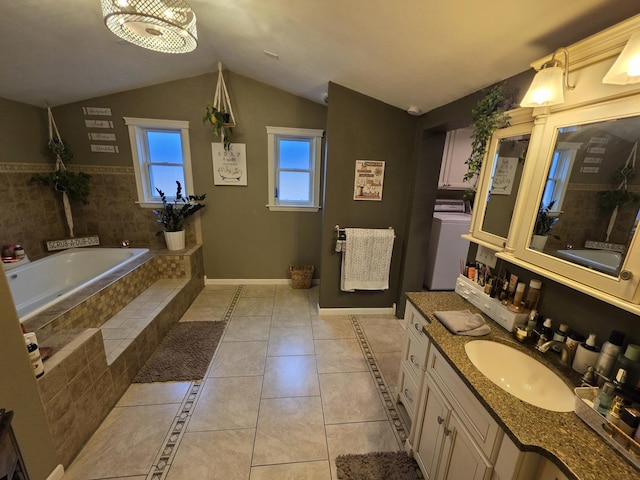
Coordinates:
column 39, row 285
column 605, row 261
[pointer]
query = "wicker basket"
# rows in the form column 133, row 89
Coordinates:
column 301, row 276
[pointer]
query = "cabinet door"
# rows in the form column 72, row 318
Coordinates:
column 436, row 414
column 461, row 458
column 457, row 150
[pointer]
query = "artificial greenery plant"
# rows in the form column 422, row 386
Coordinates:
column 220, row 122
column 545, row 221
column 173, row 214
column 74, row 184
column 487, row 115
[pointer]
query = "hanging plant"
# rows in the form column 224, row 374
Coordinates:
column 487, row 116
column 74, row 184
column 220, row 122
column 609, row 200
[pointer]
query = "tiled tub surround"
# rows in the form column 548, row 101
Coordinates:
column 34, row 213
column 561, row 437
column 100, row 344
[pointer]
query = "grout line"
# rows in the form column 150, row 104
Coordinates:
column 399, row 428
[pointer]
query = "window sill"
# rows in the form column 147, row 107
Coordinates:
column 292, row 208
column 149, row 204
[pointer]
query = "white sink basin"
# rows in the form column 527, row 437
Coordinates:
column 520, row 375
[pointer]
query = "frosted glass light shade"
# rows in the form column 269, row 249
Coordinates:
column 167, row 26
column 626, row 68
column 546, row 88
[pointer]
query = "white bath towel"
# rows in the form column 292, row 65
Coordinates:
column 366, row 259
column 463, row 322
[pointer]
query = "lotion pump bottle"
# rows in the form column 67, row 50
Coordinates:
column 586, row 354
column 609, row 354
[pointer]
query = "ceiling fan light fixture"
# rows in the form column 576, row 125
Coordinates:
column 626, row 68
column 167, row 26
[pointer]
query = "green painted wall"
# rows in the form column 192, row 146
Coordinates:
column 362, row 128
column 241, row 237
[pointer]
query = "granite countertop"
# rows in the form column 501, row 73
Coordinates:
column 561, row 437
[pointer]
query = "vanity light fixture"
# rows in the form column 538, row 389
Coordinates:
column 547, row 87
column 626, row 68
column 167, row 26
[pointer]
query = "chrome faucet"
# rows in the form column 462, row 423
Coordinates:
column 564, row 350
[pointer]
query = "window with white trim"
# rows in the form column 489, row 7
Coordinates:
column 161, row 155
column 294, row 168
column 558, row 176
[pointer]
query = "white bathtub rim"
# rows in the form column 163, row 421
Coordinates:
column 138, row 252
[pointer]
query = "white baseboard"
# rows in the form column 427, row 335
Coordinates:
column 251, row 281
column 57, row 473
column 358, row 311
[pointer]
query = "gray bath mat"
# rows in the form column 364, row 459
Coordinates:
column 183, row 354
column 377, row 466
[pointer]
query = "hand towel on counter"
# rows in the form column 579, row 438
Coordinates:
column 366, row 259
column 464, row 322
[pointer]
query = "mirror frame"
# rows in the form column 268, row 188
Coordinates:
column 520, row 123
column 536, row 179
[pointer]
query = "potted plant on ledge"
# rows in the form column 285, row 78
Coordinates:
column 544, row 222
column 173, row 214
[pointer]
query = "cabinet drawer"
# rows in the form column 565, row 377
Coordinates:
column 474, row 417
column 408, row 392
column 415, row 321
column 415, row 353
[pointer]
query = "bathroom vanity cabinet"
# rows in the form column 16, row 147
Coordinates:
column 465, row 427
column 414, row 361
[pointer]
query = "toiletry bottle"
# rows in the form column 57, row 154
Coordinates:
column 586, row 354
column 504, row 293
column 630, row 420
column 34, row 354
column 533, row 295
column 18, row 252
column 604, row 399
column 630, row 362
column 546, row 330
column 560, row 335
column 573, row 340
column 609, row 354
column 532, row 320
column 516, row 304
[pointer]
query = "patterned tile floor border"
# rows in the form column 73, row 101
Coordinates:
column 163, row 460
column 399, row 428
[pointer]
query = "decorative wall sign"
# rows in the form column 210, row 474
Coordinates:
column 504, row 175
column 368, row 180
column 229, row 166
column 105, row 111
column 104, row 137
column 98, row 124
column 104, row 148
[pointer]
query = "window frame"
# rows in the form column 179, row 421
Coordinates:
column 313, row 136
column 140, row 153
column 566, row 154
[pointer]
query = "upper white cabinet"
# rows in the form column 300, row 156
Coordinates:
column 457, row 149
column 500, row 183
column 579, row 170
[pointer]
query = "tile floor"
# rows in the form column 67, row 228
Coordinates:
column 286, row 392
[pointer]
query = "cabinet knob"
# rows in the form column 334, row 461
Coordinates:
column 440, row 420
column 412, row 359
column 406, row 394
column 417, row 327
column 447, row 431
column 625, row 275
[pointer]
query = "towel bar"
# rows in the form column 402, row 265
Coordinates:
column 342, row 235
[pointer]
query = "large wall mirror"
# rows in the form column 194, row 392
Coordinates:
column 500, row 183
column 583, row 208
column 591, row 198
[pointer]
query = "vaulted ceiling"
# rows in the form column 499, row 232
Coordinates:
column 406, row 53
